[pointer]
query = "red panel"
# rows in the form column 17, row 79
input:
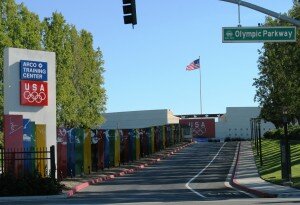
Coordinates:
column 13, row 142
column 33, row 93
column 62, row 140
column 13, row 131
column 200, row 127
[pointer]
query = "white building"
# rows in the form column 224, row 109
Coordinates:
column 138, row 119
column 236, row 123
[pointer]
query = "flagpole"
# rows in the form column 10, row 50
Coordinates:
column 200, row 88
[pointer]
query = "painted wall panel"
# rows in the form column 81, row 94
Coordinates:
column 27, row 144
column 71, row 152
column 131, row 144
column 112, row 141
column 204, row 128
column 87, row 157
column 117, row 148
column 62, row 141
column 137, row 143
column 106, row 149
column 152, row 140
column 33, row 143
column 124, row 146
column 13, row 131
column 79, row 135
column 40, row 135
column 94, row 150
column 164, row 137
column 13, row 140
column 100, row 136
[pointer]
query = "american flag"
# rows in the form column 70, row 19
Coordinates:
column 193, row 65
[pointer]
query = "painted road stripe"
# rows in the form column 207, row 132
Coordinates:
column 187, row 185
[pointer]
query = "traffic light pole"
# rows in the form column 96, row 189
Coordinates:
column 265, row 11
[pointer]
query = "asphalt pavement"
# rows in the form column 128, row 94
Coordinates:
column 196, row 173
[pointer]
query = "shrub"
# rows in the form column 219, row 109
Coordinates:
column 234, row 139
column 29, row 184
column 293, row 132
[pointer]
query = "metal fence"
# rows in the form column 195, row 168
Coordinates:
column 22, row 161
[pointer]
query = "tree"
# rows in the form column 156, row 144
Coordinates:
column 80, row 95
column 18, row 28
column 279, row 76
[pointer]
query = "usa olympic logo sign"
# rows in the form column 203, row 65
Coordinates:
column 33, row 93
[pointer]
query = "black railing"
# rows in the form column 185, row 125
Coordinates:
column 22, row 161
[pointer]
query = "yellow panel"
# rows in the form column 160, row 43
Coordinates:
column 87, row 161
column 117, row 148
column 152, row 139
column 138, row 145
column 40, row 141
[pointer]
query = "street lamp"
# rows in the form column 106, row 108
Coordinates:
column 285, row 151
column 259, row 135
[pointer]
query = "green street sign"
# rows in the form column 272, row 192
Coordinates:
column 258, row 34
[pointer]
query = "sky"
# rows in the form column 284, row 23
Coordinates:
column 145, row 67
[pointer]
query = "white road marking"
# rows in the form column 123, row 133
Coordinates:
column 187, row 185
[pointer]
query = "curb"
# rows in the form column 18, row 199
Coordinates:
column 234, row 183
column 122, row 173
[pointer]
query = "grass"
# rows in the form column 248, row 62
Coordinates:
column 271, row 169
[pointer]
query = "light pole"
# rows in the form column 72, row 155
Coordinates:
column 256, row 135
column 259, row 135
column 285, row 151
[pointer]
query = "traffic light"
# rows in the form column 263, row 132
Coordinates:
column 129, row 12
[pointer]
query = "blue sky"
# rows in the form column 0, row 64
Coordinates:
column 145, row 66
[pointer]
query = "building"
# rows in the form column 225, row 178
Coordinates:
column 236, row 123
column 138, row 119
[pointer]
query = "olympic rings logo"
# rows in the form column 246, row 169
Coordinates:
column 34, row 96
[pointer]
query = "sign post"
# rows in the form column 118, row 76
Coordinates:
column 258, row 34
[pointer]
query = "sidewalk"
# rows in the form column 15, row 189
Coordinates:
column 246, row 177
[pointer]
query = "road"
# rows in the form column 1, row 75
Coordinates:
column 194, row 175
column 167, row 181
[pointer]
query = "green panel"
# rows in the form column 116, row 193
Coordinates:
column 117, row 148
column 152, row 139
column 79, row 135
column 112, row 142
column 137, row 145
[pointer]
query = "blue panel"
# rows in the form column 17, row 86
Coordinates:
column 27, row 138
column 33, row 70
column 71, row 152
column 130, row 144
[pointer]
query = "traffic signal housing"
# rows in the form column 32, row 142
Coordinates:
column 129, row 12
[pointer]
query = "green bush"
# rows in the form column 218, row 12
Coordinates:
column 293, row 132
column 29, row 184
column 234, row 139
